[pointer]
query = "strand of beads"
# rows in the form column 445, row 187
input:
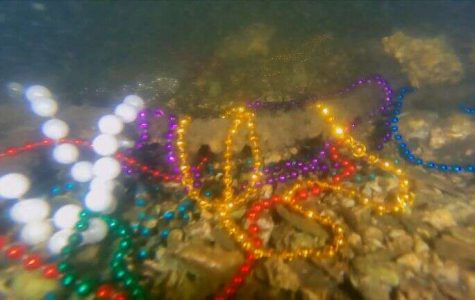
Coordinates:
column 292, row 198
column 103, row 172
column 88, row 231
column 144, row 169
column 293, row 169
column 31, row 146
column 31, row 261
column 406, row 152
column 63, row 189
column 383, row 108
column 31, row 210
column 296, row 168
column 123, row 158
column 230, row 201
column 136, row 166
column 105, row 169
column 313, row 164
column 169, row 136
column 241, row 117
column 43, row 105
column 99, row 198
column 469, row 110
column 143, row 125
column 33, row 213
column 376, row 79
column 161, row 223
column 358, row 150
column 250, row 243
column 404, row 197
column 238, row 279
column 125, row 248
column 226, row 205
column 255, row 242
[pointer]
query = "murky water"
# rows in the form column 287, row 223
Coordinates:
column 90, row 51
column 202, row 58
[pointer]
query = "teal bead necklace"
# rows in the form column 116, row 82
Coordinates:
column 166, row 220
column 68, row 187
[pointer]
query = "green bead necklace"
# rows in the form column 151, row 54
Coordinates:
column 118, row 265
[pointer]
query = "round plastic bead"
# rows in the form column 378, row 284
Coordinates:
column 96, row 231
column 30, row 210
column 135, row 101
column 15, row 252
column 106, row 168
column 67, row 216
column 82, row 171
column 126, row 112
column 32, row 262
column 14, row 185
column 59, row 240
column 105, row 144
column 68, row 279
column 44, row 107
column 66, row 153
column 35, row 92
column 111, row 124
column 99, row 183
column 36, row 232
column 99, row 201
column 51, row 272
column 104, row 291
column 55, row 129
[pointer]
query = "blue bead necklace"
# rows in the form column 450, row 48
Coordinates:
column 469, row 110
column 406, row 152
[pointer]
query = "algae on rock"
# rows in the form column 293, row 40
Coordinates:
column 425, row 60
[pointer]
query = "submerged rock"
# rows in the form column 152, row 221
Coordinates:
column 455, row 249
column 439, row 219
column 213, row 260
column 305, row 225
column 412, row 261
column 373, row 238
column 279, row 274
column 32, row 285
column 425, row 60
column 419, row 288
column 400, row 242
column 252, row 40
column 374, row 276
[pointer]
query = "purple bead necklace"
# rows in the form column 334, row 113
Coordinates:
column 290, row 169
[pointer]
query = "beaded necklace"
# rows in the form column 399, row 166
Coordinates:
column 469, row 110
column 383, row 109
column 406, row 152
column 31, row 261
column 229, row 201
column 166, row 220
column 118, row 263
column 301, row 167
